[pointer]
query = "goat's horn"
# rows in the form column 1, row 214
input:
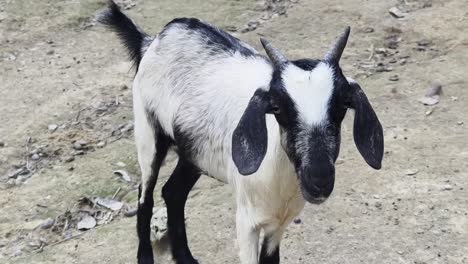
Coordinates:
column 275, row 55
column 334, row 54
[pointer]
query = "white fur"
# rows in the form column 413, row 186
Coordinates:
column 310, row 90
column 204, row 95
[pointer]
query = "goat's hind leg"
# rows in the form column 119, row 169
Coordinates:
column 175, row 193
column 152, row 146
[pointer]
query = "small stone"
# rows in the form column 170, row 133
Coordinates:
column 130, row 212
column 69, row 159
column 71, row 168
column 368, row 30
column 78, row 153
column 394, row 78
column 35, row 156
column 424, row 43
column 411, row 172
column 48, row 223
column 400, row 252
column 82, row 142
column 77, row 146
column 447, row 187
column 297, row 221
column 378, row 205
column 2, row 144
column 121, row 164
column 396, row 12
column 50, row 52
column 376, row 196
column 460, row 123
column 101, row 144
column 52, row 127
column 86, row 223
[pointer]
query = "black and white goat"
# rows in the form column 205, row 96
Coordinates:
column 230, row 112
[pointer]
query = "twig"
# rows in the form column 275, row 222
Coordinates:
column 116, row 192
column 66, row 239
column 78, row 115
column 372, row 53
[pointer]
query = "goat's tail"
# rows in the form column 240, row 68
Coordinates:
column 135, row 40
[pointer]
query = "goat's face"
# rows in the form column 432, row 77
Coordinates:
column 309, row 99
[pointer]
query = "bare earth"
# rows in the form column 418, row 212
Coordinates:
column 57, row 68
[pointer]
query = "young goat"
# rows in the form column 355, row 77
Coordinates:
column 229, row 112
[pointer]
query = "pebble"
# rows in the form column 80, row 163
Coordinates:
column 447, row 187
column 131, row 212
column 35, row 156
column 394, row 78
column 297, row 221
column 82, row 142
column 78, row 152
column 368, row 30
column 69, row 159
column 50, row 52
column 460, row 123
column 396, row 12
column 101, row 144
column 48, row 223
column 2, row 144
column 52, row 127
column 77, row 146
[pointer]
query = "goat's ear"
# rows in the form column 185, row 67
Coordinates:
column 250, row 138
column 368, row 133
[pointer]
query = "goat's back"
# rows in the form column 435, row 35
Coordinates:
column 196, row 81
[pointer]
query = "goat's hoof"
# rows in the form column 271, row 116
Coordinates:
column 187, row 260
column 146, row 260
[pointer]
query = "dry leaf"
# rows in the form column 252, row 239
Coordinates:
column 123, row 174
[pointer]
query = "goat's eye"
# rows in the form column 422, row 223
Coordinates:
column 275, row 109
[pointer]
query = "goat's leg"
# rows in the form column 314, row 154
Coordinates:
column 270, row 253
column 152, row 148
column 175, row 193
column 247, row 238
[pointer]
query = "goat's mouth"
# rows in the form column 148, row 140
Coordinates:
column 312, row 197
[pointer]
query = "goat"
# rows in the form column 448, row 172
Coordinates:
column 229, row 112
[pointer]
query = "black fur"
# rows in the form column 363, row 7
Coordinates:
column 250, row 139
column 215, row 38
column 306, row 64
column 265, row 258
column 175, row 193
column 130, row 35
column 367, row 130
column 145, row 210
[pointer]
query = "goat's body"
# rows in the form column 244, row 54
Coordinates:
column 193, row 89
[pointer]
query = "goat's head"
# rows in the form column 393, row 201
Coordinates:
column 309, row 99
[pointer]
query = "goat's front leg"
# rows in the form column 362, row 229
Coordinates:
column 270, row 253
column 247, row 237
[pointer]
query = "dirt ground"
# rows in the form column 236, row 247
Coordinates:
column 66, row 125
